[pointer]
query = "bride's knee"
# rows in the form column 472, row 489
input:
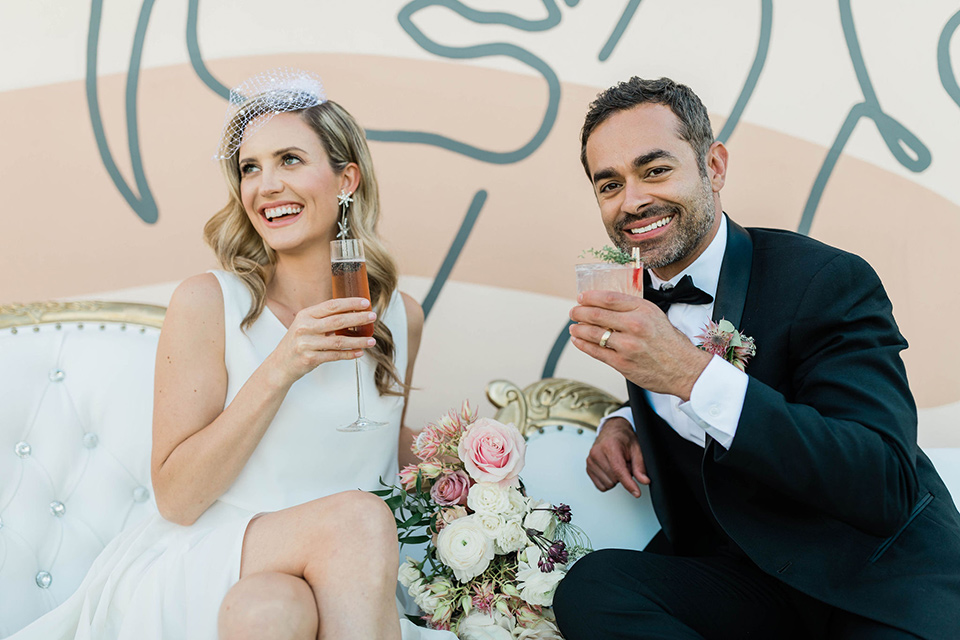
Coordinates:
column 363, row 511
column 275, row 605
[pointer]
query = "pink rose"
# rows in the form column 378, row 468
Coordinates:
column 450, row 489
column 492, row 452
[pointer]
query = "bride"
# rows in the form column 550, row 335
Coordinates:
column 262, row 531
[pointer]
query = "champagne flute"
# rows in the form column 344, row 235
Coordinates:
column 350, row 281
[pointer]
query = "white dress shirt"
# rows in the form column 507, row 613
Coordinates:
column 716, row 400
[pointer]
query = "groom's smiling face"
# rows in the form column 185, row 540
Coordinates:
column 650, row 189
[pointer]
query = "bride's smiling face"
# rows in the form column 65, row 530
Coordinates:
column 287, row 186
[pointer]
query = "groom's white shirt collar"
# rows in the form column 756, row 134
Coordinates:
column 705, row 270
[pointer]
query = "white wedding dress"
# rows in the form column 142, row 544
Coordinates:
column 162, row 581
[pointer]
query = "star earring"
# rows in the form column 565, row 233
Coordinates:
column 344, row 200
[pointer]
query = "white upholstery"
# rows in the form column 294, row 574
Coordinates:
column 75, row 417
column 947, row 463
column 556, row 471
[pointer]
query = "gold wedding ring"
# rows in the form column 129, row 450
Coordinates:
column 606, row 336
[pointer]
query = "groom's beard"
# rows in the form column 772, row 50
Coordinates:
column 690, row 226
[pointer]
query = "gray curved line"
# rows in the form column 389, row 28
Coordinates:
column 895, row 135
column 550, row 366
column 196, row 59
column 856, row 55
column 145, row 206
column 759, row 60
column 493, row 17
column 473, row 212
column 618, row 30
column 478, row 51
column 572, row 3
column 813, row 199
column 944, row 64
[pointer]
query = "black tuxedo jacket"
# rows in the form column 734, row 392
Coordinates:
column 824, row 486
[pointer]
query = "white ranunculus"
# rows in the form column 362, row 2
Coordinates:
column 489, row 497
column 416, row 587
column 512, row 537
column 491, row 523
column 519, row 504
column 409, row 572
column 427, row 600
column 541, row 630
column 464, row 546
column 537, row 587
column 483, row 626
column 540, row 518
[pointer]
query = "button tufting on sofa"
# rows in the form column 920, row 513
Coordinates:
column 57, row 508
column 76, row 470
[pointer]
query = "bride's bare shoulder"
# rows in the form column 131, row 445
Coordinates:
column 196, row 303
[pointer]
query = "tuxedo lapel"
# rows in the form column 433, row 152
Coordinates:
column 734, row 275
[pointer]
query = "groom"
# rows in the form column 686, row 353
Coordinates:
column 793, row 499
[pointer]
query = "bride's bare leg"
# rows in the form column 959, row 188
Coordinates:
column 268, row 605
column 345, row 547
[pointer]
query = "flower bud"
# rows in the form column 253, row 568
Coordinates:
column 430, row 469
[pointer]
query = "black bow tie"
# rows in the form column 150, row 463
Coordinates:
column 685, row 293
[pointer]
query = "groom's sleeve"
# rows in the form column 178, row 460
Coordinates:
column 624, row 412
column 845, row 441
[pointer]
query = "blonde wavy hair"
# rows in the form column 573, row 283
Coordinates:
column 241, row 250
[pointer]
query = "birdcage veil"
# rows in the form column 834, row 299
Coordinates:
column 256, row 100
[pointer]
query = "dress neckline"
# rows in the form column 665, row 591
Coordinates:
column 267, row 309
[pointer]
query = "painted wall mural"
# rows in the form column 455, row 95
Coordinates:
column 842, row 119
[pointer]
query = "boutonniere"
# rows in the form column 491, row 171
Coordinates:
column 723, row 339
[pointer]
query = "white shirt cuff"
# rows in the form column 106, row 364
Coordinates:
column 625, row 412
column 716, row 400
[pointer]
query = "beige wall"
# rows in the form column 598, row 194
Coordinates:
column 68, row 232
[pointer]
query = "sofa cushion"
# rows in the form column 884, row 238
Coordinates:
column 76, row 397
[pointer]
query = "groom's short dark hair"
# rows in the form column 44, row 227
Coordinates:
column 685, row 104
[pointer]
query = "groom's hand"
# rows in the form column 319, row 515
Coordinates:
column 616, row 457
column 644, row 346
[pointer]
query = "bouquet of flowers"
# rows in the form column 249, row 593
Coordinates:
column 494, row 556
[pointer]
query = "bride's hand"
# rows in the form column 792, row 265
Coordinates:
column 310, row 341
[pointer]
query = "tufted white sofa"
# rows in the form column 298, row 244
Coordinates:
column 76, row 397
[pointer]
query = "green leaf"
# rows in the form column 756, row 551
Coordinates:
column 726, row 326
column 382, row 492
column 608, row 254
column 413, row 539
column 735, row 340
column 394, row 502
column 415, row 519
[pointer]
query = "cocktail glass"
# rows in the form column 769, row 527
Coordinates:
column 609, row 276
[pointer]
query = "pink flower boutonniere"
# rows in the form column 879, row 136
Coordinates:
column 723, row 339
